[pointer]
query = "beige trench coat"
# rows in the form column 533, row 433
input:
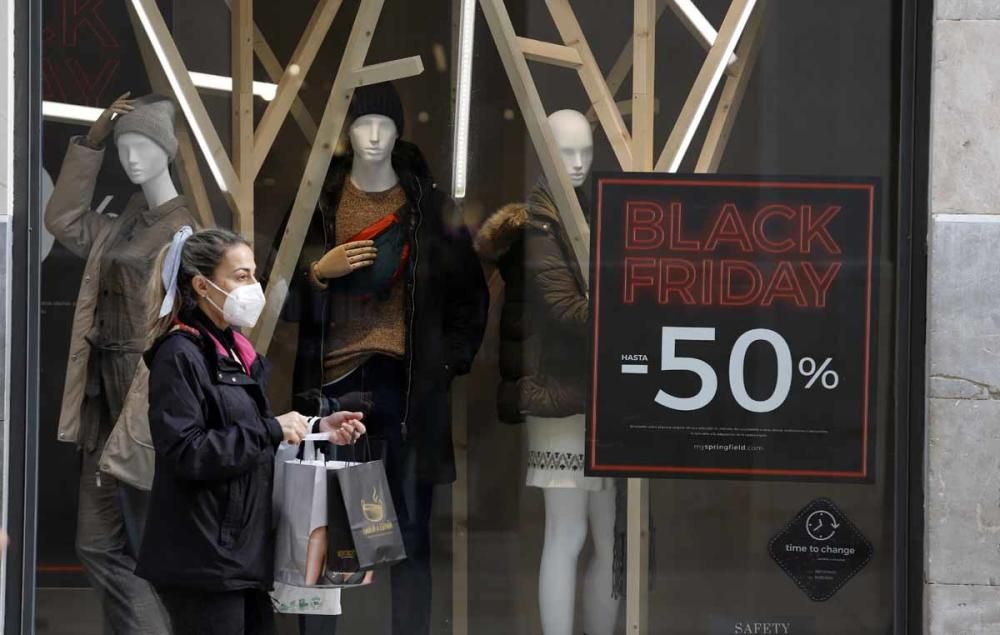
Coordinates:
column 128, row 454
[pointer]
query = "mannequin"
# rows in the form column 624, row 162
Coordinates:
column 543, row 333
column 109, row 331
column 147, row 166
column 393, row 307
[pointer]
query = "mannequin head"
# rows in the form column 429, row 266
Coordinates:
column 142, row 158
column 372, row 139
column 576, row 143
column 146, row 140
column 376, row 123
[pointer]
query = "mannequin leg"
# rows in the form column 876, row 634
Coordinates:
column 600, row 610
column 565, row 533
column 411, row 578
column 129, row 604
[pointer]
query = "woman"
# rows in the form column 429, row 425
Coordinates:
column 208, row 548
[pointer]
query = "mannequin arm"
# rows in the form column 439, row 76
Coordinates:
column 557, row 288
column 555, row 400
column 68, row 216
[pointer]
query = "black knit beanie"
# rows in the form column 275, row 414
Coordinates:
column 377, row 99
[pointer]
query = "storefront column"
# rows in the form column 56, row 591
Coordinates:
column 962, row 572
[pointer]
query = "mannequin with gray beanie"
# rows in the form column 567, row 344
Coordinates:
column 109, row 329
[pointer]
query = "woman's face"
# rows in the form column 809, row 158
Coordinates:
column 236, row 270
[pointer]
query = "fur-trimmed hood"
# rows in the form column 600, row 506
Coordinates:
column 504, row 228
column 501, row 231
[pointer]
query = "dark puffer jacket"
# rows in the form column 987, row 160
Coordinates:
column 543, row 323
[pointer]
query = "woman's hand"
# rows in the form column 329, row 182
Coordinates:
column 344, row 427
column 343, row 259
column 295, row 427
column 101, row 129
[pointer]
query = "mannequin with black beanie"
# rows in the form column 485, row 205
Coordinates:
column 391, row 304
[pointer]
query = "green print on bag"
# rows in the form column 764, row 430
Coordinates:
column 300, row 605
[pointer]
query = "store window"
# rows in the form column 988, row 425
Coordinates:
column 614, row 288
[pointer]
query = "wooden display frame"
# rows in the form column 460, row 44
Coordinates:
column 731, row 52
column 251, row 145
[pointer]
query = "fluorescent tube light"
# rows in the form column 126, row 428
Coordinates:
column 463, row 97
column 222, row 84
column 206, row 150
column 69, row 113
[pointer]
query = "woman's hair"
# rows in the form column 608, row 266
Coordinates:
column 201, row 254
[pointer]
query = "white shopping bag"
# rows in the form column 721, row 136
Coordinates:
column 301, row 600
column 301, row 582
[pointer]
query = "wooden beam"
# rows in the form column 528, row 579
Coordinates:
column 241, row 61
column 187, row 159
column 593, row 82
column 549, row 53
column 320, row 157
column 643, row 84
column 184, row 91
column 274, row 71
column 732, row 94
column 291, row 79
column 625, row 108
column 699, row 26
column 191, row 179
column 623, row 65
column 637, row 557
column 536, row 121
column 387, row 71
column 705, row 85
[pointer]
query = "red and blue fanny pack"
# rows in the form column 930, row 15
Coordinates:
column 392, row 242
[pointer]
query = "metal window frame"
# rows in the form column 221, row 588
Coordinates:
column 24, row 319
column 914, row 30
column 914, row 51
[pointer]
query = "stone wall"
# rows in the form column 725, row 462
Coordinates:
column 963, row 435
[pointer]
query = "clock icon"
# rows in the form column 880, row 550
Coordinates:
column 821, row 525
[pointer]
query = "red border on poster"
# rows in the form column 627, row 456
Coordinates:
column 596, row 285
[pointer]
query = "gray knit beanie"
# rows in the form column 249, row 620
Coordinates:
column 153, row 117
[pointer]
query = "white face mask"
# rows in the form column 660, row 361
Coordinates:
column 243, row 306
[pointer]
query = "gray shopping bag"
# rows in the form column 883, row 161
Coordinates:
column 300, row 512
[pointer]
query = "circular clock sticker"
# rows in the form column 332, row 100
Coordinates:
column 821, row 525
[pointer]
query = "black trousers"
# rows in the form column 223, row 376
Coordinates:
column 246, row 612
column 412, row 498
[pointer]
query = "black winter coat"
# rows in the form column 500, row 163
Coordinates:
column 209, row 526
column 446, row 308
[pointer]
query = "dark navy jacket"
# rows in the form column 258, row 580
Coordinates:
column 209, row 525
